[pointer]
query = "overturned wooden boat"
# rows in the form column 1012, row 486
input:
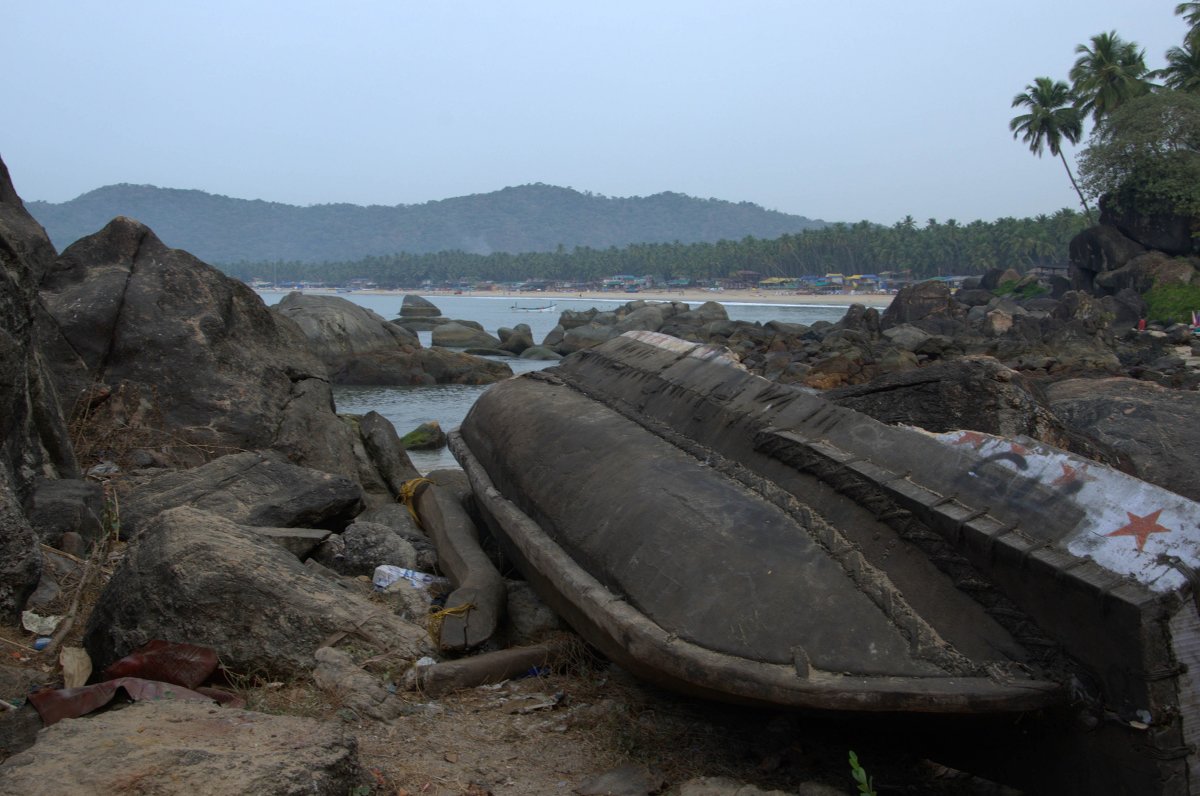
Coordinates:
column 738, row 539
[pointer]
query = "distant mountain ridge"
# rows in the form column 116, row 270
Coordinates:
column 526, row 218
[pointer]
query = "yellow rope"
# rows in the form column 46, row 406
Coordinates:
column 436, row 618
column 408, row 496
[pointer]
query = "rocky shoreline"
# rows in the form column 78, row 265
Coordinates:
column 174, row 447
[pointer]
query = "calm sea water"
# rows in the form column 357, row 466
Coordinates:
column 408, row 407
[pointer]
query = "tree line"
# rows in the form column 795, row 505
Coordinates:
column 923, row 250
column 1143, row 154
column 516, row 219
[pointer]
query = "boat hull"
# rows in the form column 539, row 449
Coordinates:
column 742, row 540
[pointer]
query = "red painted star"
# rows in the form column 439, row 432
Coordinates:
column 1071, row 474
column 972, row 438
column 1141, row 527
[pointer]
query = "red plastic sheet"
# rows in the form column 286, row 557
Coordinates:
column 71, row 703
column 187, row 665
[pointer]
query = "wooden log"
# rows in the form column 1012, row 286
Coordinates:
column 479, row 592
column 488, row 668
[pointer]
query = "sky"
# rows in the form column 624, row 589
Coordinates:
column 840, row 111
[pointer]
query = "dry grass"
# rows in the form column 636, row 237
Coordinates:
column 110, row 425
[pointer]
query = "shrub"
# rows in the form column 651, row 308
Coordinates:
column 1172, row 303
column 1146, row 155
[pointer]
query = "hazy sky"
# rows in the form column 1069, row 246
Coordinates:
column 841, row 111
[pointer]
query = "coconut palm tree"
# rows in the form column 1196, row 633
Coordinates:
column 1182, row 72
column 1106, row 74
column 1053, row 117
column 1191, row 13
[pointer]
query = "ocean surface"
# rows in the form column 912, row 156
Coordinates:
column 408, row 407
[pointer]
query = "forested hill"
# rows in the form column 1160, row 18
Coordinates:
column 528, row 218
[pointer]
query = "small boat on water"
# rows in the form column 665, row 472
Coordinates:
column 519, row 307
column 742, row 540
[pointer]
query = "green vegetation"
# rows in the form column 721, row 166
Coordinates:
column 1146, row 155
column 866, row 785
column 938, row 248
column 1143, row 154
column 1182, row 72
column 1172, row 303
column 1052, row 117
column 1026, row 291
column 1107, row 74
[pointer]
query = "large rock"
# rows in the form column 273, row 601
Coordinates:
column 376, row 490
column 425, row 437
column 414, row 306
column 341, row 330
column 456, row 367
column 1155, row 430
column 541, row 353
column 34, row 442
column 1173, row 234
column 247, row 488
column 360, row 347
column 67, row 505
column 364, row 546
column 399, row 519
column 517, row 339
column 460, row 335
column 1147, row 270
column 1097, row 250
column 386, row 451
column 424, row 367
column 197, row 364
column 972, row 393
column 649, row 318
column 587, row 336
column 20, row 558
column 196, row 577
column 191, row 749
column 927, row 305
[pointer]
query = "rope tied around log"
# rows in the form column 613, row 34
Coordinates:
column 408, row 496
column 436, row 618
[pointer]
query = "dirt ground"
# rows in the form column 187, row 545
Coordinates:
column 551, row 734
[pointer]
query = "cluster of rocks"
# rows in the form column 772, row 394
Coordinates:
column 1007, row 354
column 360, row 347
column 418, row 314
column 575, row 331
column 253, row 515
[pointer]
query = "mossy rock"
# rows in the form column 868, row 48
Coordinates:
column 425, row 437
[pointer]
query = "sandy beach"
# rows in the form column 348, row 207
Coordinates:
column 879, row 300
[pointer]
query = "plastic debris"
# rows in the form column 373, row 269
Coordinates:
column 76, row 666
column 187, row 665
column 386, row 575
column 42, row 643
column 41, row 625
column 105, row 469
column 69, row 703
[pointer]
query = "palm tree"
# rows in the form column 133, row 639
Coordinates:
column 1108, row 73
column 1182, row 72
column 1053, row 117
column 1191, row 13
